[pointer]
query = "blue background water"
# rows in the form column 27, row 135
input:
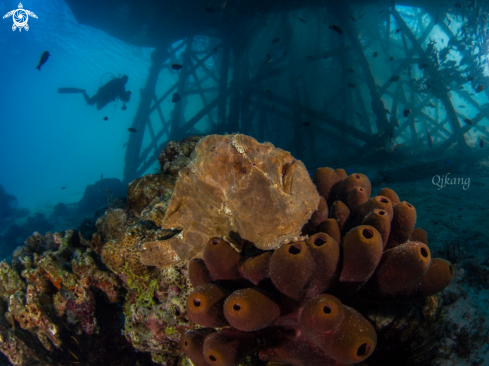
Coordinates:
column 50, row 140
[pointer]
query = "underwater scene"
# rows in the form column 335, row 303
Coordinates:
column 244, row 183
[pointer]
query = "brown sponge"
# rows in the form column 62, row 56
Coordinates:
column 326, row 252
column 330, row 227
column 437, row 277
column 340, row 331
column 250, row 309
column 228, row 347
column 204, row 306
column 340, row 212
column 192, row 343
column 221, row 259
column 198, row 273
column 419, row 234
column 401, row 267
column 380, row 220
column 255, row 269
column 362, row 249
column 291, row 268
column 326, row 180
column 402, row 224
column 390, row 194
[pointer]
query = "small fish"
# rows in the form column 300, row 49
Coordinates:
column 350, row 70
column 106, row 118
column 375, row 54
column 358, row 114
column 470, row 78
column 64, row 187
column 395, row 78
column 306, row 124
column 302, row 20
column 175, row 98
column 276, row 40
column 422, row 66
column 132, row 129
column 461, row 106
column 406, row 112
column 382, row 11
column 398, row 30
column 209, row 9
column 430, row 140
column 391, row 58
column 176, row 66
column 335, row 28
column 351, row 85
column 480, row 88
column 44, row 58
column 468, row 121
column 481, row 143
column 124, row 144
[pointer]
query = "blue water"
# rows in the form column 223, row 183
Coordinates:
column 50, row 140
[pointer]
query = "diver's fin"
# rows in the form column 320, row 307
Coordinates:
column 70, row 90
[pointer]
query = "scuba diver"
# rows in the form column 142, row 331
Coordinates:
column 105, row 94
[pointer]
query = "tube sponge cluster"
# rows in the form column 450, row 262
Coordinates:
column 287, row 305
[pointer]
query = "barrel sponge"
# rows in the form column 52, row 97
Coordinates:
column 380, row 220
column 323, row 313
column 205, row 306
column 402, row 266
column 325, row 252
column 250, row 309
column 340, row 212
column 228, row 347
column 221, row 260
column 419, row 234
column 326, row 179
column 390, row 194
column 437, row 277
column 402, row 224
column 318, row 217
column 356, row 180
column 377, row 202
column 255, row 269
column 342, row 332
column 330, row 227
column 198, row 273
column 291, row 268
column 192, row 343
column 362, row 249
column 355, row 198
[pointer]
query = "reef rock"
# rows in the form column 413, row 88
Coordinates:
column 236, row 189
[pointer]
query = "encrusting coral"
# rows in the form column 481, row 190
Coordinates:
column 242, row 260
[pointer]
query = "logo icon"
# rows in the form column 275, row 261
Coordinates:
column 20, row 17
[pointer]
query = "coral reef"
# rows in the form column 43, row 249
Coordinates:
column 176, row 155
column 338, row 278
column 50, row 295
